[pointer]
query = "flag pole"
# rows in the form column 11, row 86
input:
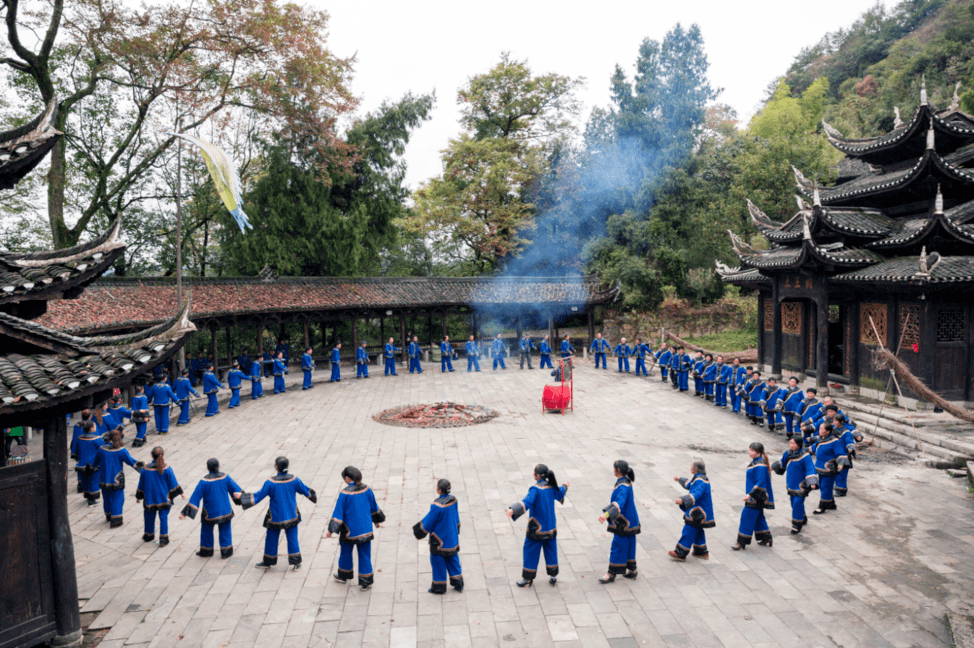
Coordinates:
column 179, row 233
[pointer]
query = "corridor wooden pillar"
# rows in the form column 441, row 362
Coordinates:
column 591, row 325
column 776, row 339
column 402, row 336
column 354, row 332
column 307, row 337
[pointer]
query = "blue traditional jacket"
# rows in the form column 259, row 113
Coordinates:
column 799, row 471
column 754, row 390
column 567, row 349
column 685, row 363
column 663, row 357
column 256, row 375
column 196, row 365
column 362, row 355
column 738, row 375
column 774, row 399
column 109, row 420
column 307, row 362
column 830, row 456
column 473, row 351
column 336, row 357
column 235, row 378
column 183, row 389
column 539, row 504
column 391, row 351
column 212, row 495
column 157, row 489
column 758, row 486
column 140, row 403
column 812, row 410
column 415, row 351
column 622, row 350
column 442, row 524
column 545, row 348
column 244, row 360
column 675, row 361
column 600, row 345
column 643, row 350
column 162, row 394
column 621, row 511
column 445, row 349
column 709, row 372
column 793, row 398
column 282, row 489
column 847, row 438
column 697, row 505
column 278, row 369
column 355, row 512
column 87, row 447
column 698, row 365
column 525, row 345
column 120, row 413
column 724, row 373
column 210, row 383
column 76, row 434
column 109, row 461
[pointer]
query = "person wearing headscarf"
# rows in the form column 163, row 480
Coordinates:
column 355, row 514
column 698, row 513
column 542, row 531
column 759, row 498
column 212, row 496
column 623, row 522
column 282, row 491
column 800, row 479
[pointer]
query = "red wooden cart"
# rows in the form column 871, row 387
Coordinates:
column 561, row 395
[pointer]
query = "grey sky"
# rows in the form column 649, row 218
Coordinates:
column 426, row 45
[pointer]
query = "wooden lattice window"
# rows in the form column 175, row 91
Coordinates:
column 950, row 326
column 876, row 312
column 909, row 326
column 835, row 313
column 791, row 317
column 767, row 315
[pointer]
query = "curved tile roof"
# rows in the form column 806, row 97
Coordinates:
column 952, row 269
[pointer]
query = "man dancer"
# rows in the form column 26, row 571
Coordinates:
column 161, row 397
column 446, row 355
column 183, row 389
column 473, row 355
column 390, row 352
column 622, row 352
column 415, row 353
column 686, row 363
column 737, row 380
column 362, row 362
column 210, row 387
column 640, row 350
column 499, row 349
column 282, row 490
column 235, row 378
column 336, row 363
column 213, row 494
column 663, row 357
column 698, row 513
column 708, row 375
column 599, row 348
column 567, row 350
column 525, row 347
column 307, row 366
column 791, row 403
column 278, row 370
column 697, row 371
column 723, row 373
column 544, row 355
column 256, row 377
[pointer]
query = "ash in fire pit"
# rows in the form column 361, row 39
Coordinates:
column 437, row 415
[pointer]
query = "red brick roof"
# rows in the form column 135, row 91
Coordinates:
column 117, row 304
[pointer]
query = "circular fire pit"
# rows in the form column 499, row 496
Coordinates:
column 436, row 415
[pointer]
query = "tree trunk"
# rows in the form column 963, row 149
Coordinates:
column 55, row 198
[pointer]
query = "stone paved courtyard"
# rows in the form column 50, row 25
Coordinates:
column 880, row 572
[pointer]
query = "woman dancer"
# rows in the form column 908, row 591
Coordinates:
column 759, row 497
column 623, row 524
column 542, row 529
column 157, row 489
column 109, row 461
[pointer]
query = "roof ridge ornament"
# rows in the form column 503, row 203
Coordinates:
column 930, row 137
column 740, row 247
column 955, row 102
column 806, row 228
column 111, row 243
column 923, row 90
column 723, row 269
column 760, row 218
column 816, row 197
column 938, row 205
column 928, row 262
column 800, row 179
column 897, row 120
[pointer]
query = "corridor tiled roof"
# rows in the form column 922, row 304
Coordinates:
column 118, row 304
column 23, row 148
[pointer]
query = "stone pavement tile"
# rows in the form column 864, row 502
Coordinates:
column 182, row 632
column 592, row 637
column 561, row 628
column 349, row 640
column 377, row 630
column 429, row 628
column 247, row 628
column 125, row 626
column 457, row 635
column 405, row 637
column 217, row 638
column 613, row 625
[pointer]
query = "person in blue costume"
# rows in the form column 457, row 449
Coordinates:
column 754, row 392
column 268, row 364
column 723, row 373
column 446, row 355
column 791, row 404
column 524, row 349
column 473, row 355
column 282, row 490
column 235, row 378
column 760, row 497
column 499, row 351
column 389, row 353
column 708, row 376
column 308, row 366
column 183, row 390
column 542, row 531
column 800, row 479
column 848, row 437
column 567, row 350
column 335, row 359
column 157, row 489
column 118, row 410
column 256, row 378
column 77, row 433
column 675, row 361
column 738, row 378
column 686, row 364
column 279, row 369
column 831, row 458
column 107, row 417
column 600, row 346
column 622, row 353
column 415, row 352
column 140, row 416
column 109, row 461
column 807, row 407
column 696, row 370
column 442, row 525
column 197, row 366
column 641, row 350
column 362, row 362
column 284, row 351
column 698, row 513
column 663, row 357
column 773, row 404
column 356, row 511
column 623, row 522
column 162, row 397
column 210, row 387
column 87, row 467
column 244, row 361
column 544, row 354
column 212, row 495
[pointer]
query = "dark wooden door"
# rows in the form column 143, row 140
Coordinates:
column 27, row 597
column 950, row 364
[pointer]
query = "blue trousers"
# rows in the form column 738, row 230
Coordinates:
column 162, row 418
column 790, row 424
column 842, row 482
column 212, row 407
column 641, row 366
column 698, row 385
column 798, row 511
column 599, row 356
column 443, row 565
column 622, row 555
column 390, row 366
column 664, row 371
column 753, row 523
column 346, row 568
column 256, row 390
column 826, row 486
column 362, row 370
column 307, row 377
column 708, row 388
column 113, row 501
column 735, row 400
column 684, row 380
column 473, row 362
column 183, row 412
column 89, row 485
column 692, row 539
column 755, row 411
column 278, row 384
column 271, row 542
column 414, row 365
column 623, row 361
column 774, row 418
column 150, row 522
column 500, row 359
column 140, row 430
column 532, row 554
column 545, row 361
column 234, row 398
column 226, row 537
column 721, row 396
column 336, row 375
column 446, row 363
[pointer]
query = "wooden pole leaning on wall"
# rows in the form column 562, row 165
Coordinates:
column 898, row 390
column 889, row 383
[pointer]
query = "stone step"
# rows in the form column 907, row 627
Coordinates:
column 937, row 456
column 962, row 629
column 866, row 423
column 888, row 412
